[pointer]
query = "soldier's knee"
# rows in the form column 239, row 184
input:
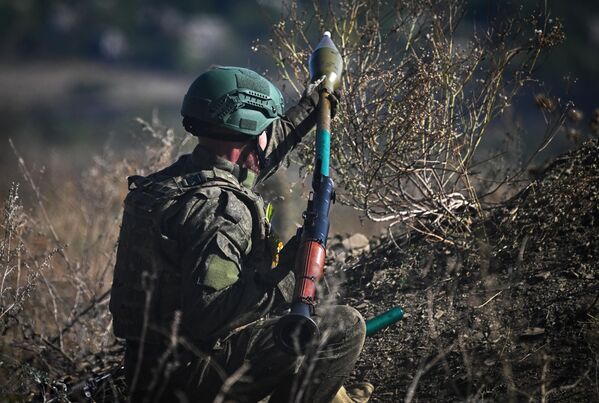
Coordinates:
column 347, row 324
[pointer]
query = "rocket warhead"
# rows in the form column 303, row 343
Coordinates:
column 326, row 61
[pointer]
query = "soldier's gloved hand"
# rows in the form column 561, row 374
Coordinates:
column 312, row 90
column 334, row 99
column 287, row 255
column 312, row 93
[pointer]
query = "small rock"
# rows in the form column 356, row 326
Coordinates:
column 378, row 277
column 340, row 257
column 544, row 275
column 357, row 243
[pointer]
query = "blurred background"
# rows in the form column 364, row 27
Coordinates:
column 74, row 75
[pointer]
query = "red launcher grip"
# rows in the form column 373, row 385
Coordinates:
column 309, row 269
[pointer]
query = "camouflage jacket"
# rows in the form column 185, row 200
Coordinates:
column 194, row 240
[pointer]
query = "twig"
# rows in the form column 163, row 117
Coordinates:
column 40, row 203
column 78, row 316
column 230, row 381
column 489, row 300
column 423, row 370
column 522, row 248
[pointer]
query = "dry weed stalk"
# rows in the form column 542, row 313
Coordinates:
column 419, row 96
column 19, row 278
column 56, row 266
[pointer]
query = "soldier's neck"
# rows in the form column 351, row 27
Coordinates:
column 241, row 153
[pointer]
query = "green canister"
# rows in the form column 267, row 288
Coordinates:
column 383, row 320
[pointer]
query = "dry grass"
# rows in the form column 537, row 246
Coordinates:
column 56, row 268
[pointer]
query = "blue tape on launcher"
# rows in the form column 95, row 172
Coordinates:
column 323, row 150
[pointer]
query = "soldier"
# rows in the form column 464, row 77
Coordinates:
column 194, row 291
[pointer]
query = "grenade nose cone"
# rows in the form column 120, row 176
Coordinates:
column 326, row 60
column 326, row 42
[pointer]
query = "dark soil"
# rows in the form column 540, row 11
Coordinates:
column 512, row 315
column 509, row 315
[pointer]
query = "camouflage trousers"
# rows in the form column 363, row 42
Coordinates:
column 249, row 367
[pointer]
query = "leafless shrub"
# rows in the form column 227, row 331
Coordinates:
column 419, row 96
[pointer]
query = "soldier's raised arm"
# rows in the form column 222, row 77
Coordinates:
column 285, row 133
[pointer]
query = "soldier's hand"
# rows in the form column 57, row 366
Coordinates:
column 312, row 92
column 286, row 261
column 334, row 99
column 288, row 253
column 313, row 89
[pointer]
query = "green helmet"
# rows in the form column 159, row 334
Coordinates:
column 233, row 98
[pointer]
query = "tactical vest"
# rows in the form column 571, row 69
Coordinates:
column 147, row 280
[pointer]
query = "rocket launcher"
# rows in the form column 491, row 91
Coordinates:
column 295, row 331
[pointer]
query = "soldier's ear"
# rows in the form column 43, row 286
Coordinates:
column 262, row 140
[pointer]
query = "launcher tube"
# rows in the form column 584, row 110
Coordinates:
column 296, row 330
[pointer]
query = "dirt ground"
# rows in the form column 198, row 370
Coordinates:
column 510, row 316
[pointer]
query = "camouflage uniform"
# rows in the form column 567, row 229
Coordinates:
column 193, row 286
